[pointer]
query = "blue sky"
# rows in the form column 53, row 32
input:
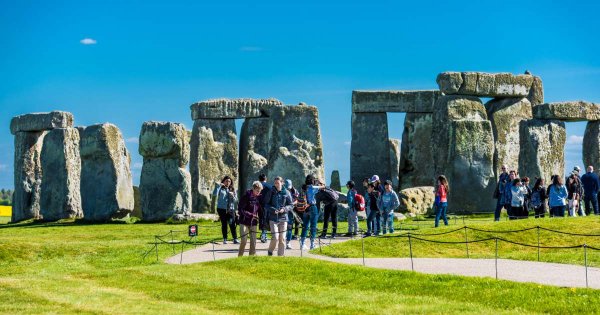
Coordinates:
column 151, row 60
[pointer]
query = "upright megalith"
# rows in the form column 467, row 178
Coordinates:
column 296, row 148
column 463, row 145
column 370, row 148
column 165, row 184
column 106, row 183
column 254, row 150
column 591, row 145
column 214, row 154
column 61, row 164
column 416, row 154
column 27, row 175
column 506, row 115
column 395, row 162
column 542, row 148
column 335, row 183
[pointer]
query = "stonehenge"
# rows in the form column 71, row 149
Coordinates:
column 416, row 155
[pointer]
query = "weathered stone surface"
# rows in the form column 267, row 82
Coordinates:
column 41, row 121
column 485, row 84
column 335, row 183
column 394, row 101
column 417, row 200
column 542, row 148
column 506, row 115
column 254, row 150
column 214, row 154
column 296, row 149
column 106, row 183
column 536, row 93
column 61, row 164
column 27, row 175
column 416, row 157
column 369, row 150
column 232, row 108
column 568, row 111
column 395, row 162
column 164, row 140
column 591, row 145
column 165, row 188
column 137, row 205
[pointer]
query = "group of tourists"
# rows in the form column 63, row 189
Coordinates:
column 562, row 195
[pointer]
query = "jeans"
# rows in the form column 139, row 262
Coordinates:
column 558, row 211
column 245, row 231
column 352, row 222
column 373, row 222
column 227, row 219
column 593, row 200
column 499, row 207
column 540, row 211
column 310, row 219
column 278, row 237
column 330, row 211
column 441, row 212
column 388, row 221
column 290, row 224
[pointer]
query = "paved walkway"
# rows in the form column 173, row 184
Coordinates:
column 555, row 274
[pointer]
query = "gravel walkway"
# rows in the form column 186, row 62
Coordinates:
column 555, row 274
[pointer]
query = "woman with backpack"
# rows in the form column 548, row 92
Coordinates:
column 355, row 200
column 279, row 204
column 311, row 215
column 226, row 198
column 388, row 203
column 538, row 198
column 557, row 197
column 248, row 211
column 441, row 196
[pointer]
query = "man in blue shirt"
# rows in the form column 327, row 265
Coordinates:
column 591, row 185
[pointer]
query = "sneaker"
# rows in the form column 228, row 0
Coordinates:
column 368, row 234
column 270, row 253
column 224, row 242
column 235, row 241
column 332, row 236
column 303, row 247
column 312, row 246
column 288, row 246
column 263, row 238
column 295, row 237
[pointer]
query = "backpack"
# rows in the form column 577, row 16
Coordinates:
column 328, row 195
column 536, row 199
column 301, row 204
column 359, row 202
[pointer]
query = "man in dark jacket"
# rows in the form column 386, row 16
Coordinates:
column 264, row 220
column 591, row 185
column 503, row 179
column 279, row 204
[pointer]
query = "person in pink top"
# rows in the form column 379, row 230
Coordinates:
column 441, row 199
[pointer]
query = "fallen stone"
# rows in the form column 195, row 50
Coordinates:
column 395, row 162
column 591, row 145
column 416, row 156
column 41, row 121
column 417, row 200
column 568, row 111
column 369, row 150
column 164, row 140
column 195, row 217
column 335, row 181
column 254, row 151
column 214, row 154
column 233, row 108
column 27, row 175
column 485, row 84
column 506, row 116
column 542, row 148
column 61, row 162
column 106, row 183
column 394, row 101
column 399, row 216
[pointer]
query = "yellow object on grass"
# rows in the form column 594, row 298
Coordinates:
column 5, row 211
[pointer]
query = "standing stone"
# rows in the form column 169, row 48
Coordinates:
column 395, row 162
column 60, row 193
column 165, row 184
column 417, row 200
column 335, row 181
column 591, row 145
column 296, row 149
column 464, row 148
column 506, row 116
column 254, row 150
column 542, row 148
column 370, row 148
column 137, row 205
column 416, row 157
column 27, row 175
column 106, row 183
column 214, row 154
column 536, row 93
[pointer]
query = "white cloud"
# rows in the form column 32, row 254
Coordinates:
column 251, row 48
column 132, row 140
column 137, row 166
column 575, row 139
column 88, row 41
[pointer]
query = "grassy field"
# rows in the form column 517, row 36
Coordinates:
column 390, row 246
column 76, row 268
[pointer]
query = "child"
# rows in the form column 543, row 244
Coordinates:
column 388, row 203
column 352, row 217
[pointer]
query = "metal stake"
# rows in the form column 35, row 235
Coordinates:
column 412, row 266
column 496, row 258
column 466, row 241
column 363, row 247
column 586, row 264
column 538, row 239
column 214, row 258
column 181, row 257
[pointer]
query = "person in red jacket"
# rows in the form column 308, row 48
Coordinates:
column 248, row 209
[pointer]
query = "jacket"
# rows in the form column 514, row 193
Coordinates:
column 372, row 201
column 591, row 183
column 225, row 200
column 249, row 208
column 518, row 196
column 507, row 197
column 350, row 197
column 557, row 196
column 502, row 181
column 389, row 201
column 277, row 200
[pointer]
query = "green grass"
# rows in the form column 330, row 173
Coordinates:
column 386, row 246
column 77, row 268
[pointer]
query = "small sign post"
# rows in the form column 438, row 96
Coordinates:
column 193, row 230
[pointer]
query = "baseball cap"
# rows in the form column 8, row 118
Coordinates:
column 374, row 178
column 288, row 183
